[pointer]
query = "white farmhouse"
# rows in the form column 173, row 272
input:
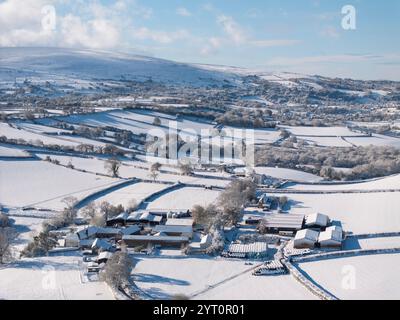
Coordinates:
column 305, row 238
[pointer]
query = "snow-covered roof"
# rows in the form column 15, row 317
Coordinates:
column 307, row 234
column 88, row 232
column 104, row 255
column 101, row 244
column 130, row 230
column 174, row 229
column 179, row 222
column 121, row 216
column 110, row 231
column 293, row 221
column 256, row 247
column 155, row 238
column 317, row 219
column 206, row 239
column 331, row 234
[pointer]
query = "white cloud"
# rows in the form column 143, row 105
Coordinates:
column 183, row 12
column 163, row 37
column 238, row 36
column 274, row 43
column 96, row 34
column 212, row 46
column 20, row 23
column 232, row 29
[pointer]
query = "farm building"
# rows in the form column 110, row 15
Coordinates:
column 265, row 202
column 104, row 257
column 175, row 231
column 205, row 241
column 306, row 238
column 179, row 222
column 108, row 233
column 135, row 229
column 88, row 233
column 284, row 223
column 136, row 240
column 331, row 237
column 317, row 220
column 249, row 250
column 118, row 220
column 101, row 245
column 143, row 217
column 253, row 220
column 71, row 241
column 96, row 232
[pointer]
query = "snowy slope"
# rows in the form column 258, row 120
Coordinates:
column 69, row 65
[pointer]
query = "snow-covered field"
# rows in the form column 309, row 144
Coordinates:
column 33, row 137
column 12, row 152
column 391, row 182
column 44, row 185
column 340, row 137
column 49, row 278
column 289, row 174
column 327, row 141
column 38, row 128
column 358, row 212
column 353, row 243
column 137, row 192
column 376, row 140
column 136, row 169
column 321, row 131
column 185, row 199
column 26, row 229
column 375, row 276
column 162, row 277
column 249, row 287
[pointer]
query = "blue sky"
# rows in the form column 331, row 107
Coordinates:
column 303, row 36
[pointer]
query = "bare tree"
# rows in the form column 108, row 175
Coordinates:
column 185, row 168
column 157, row 121
column 6, row 236
column 69, row 213
column 153, row 175
column 112, row 166
column 108, row 210
column 155, row 166
column 4, row 221
column 90, row 210
column 117, row 270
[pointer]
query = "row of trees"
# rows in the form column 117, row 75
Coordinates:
column 108, row 149
column 7, row 235
column 364, row 162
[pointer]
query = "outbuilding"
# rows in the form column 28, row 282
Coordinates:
column 316, row 220
column 145, row 240
column 179, row 222
column 175, row 231
column 284, row 223
column 305, row 238
column 332, row 237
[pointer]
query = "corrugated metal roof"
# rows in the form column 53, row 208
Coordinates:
column 285, row 221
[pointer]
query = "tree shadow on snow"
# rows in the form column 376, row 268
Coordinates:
column 151, row 278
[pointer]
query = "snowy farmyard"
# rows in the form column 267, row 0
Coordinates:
column 192, row 151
